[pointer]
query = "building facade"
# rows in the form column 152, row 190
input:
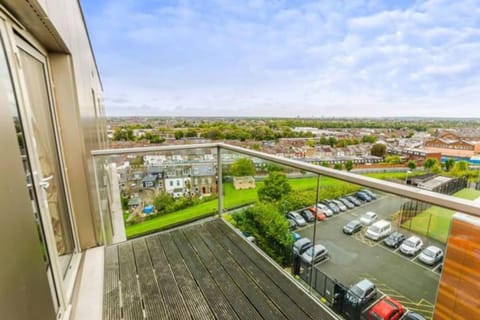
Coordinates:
column 52, row 115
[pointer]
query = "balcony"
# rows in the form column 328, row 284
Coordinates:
column 206, row 268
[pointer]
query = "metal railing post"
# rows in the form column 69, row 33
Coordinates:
column 219, row 182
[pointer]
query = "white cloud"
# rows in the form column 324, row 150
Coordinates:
column 273, row 58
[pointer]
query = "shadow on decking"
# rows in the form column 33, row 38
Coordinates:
column 205, row 271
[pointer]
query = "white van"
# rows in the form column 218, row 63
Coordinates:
column 379, row 230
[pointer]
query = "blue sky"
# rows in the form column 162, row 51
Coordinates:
column 287, row 58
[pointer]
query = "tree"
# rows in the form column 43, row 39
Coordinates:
column 256, row 146
column 271, row 167
column 429, row 163
column 338, row 166
column 162, row 202
column 349, row 165
column 393, row 159
column 179, row 134
column 449, row 164
column 378, row 150
column 369, row 139
column 242, row 167
column 324, row 164
column 191, row 133
column 270, row 229
column 275, row 186
column 411, row 165
column 332, row 141
column 461, row 166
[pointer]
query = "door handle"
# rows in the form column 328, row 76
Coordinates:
column 44, row 182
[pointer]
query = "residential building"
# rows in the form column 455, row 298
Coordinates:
column 453, row 147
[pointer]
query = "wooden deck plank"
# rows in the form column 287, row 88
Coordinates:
column 212, row 293
column 175, row 306
column 237, row 299
column 192, row 295
column 299, row 297
column 266, row 279
column 152, row 298
column 131, row 299
column 111, row 293
column 257, row 297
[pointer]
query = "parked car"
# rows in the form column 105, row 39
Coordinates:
column 352, row 227
column 315, row 254
column 361, row 293
column 296, row 236
column 318, row 212
column 386, row 309
column 328, row 212
column 431, row 255
column 363, row 196
column 379, row 230
column 394, row 240
column 340, row 205
column 370, row 193
column 368, row 217
column 411, row 246
column 301, row 245
column 347, row 203
column 331, row 206
column 353, row 200
column 307, row 215
column 292, row 224
column 413, row 316
column 295, row 216
column 440, row 267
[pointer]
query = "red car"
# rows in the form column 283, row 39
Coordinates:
column 386, row 309
column 320, row 215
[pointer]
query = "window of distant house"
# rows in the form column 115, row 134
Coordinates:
column 178, row 183
column 171, row 183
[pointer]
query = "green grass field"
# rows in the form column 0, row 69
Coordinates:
column 438, row 218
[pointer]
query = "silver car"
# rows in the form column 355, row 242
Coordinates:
column 328, row 212
column 431, row 255
column 411, row 246
column 340, row 205
column 315, row 254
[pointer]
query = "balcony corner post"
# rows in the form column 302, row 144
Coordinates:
column 219, row 181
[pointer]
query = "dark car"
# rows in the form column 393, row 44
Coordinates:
column 361, row 293
column 352, row 227
column 302, row 245
column 307, row 215
column 394, row 240
column 370, row 193
column 346, row 203
column 413, row 316
column 292, row 224
column 363, row 196
column 331, row 206
column 353, row 200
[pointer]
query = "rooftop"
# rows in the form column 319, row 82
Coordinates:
column 202, row 271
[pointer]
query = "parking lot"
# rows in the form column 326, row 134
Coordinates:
column 352, row 258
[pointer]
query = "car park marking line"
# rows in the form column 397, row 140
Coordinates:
column 423, row 306
column 360, row 236
column 412, row 260
column 435, row 269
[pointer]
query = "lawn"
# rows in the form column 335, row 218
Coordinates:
column 438, row 218
column 232, row 198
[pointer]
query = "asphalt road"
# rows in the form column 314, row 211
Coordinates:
column 353, row 258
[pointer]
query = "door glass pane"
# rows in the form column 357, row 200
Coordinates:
column 47, row 152
column 7, row 97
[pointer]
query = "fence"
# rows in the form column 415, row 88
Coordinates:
column 411, row 209
column 332, row 292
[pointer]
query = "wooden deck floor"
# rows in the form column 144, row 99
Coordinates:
column 203, row 271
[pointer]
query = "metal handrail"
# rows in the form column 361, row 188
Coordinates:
column 442, row 200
